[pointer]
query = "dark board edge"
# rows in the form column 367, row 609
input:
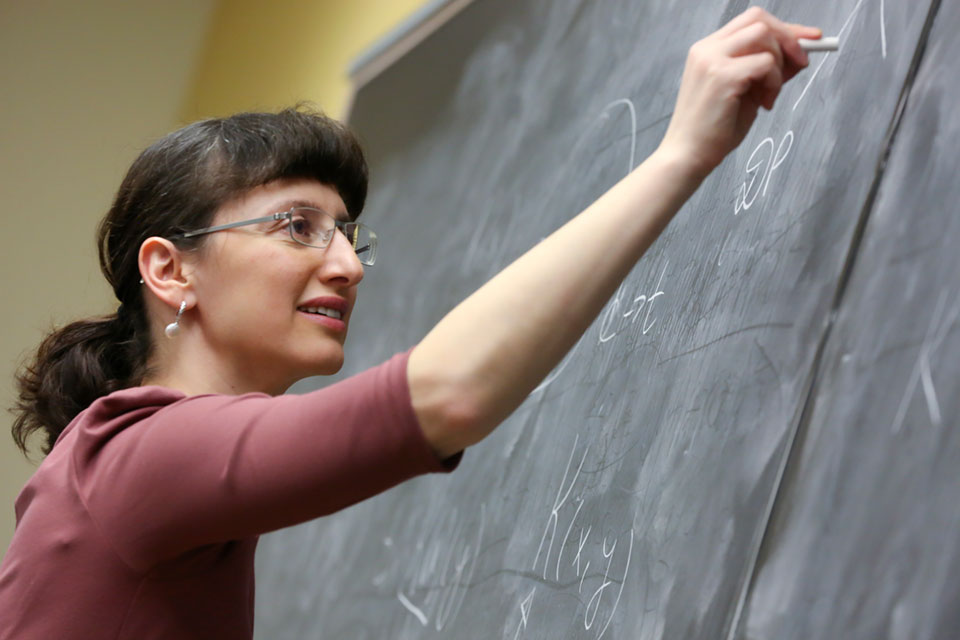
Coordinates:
column 395, row 44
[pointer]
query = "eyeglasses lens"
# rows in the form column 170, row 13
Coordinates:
column 316, row 228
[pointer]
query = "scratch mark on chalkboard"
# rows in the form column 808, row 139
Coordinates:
column 446, row 563
column 937, row 329
column 827, row 55
column 753, row 327
column 766, row 357
column 780, row 233
column 883, row 29
column 455, row 602
column 786, row 229
column 916, row 251
column 534, row 577
column 613, row 462
column 929, row 392
column 412, row 608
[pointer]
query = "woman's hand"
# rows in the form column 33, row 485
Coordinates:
column 729, row 75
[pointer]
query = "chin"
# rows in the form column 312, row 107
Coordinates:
column 326, row 365
column 327, row 370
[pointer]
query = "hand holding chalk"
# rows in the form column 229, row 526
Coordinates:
column 823, row 44
column 728, row 77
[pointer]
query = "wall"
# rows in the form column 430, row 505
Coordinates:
column 85, row 87
column 265, row 57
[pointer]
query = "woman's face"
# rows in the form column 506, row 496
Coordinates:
column 254, row 285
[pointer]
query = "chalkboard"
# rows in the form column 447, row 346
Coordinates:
column 758, row 437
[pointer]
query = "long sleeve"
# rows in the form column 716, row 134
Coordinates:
column 159, row 480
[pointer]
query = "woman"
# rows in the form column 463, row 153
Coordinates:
column 233, row 250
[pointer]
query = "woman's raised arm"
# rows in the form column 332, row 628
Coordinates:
column 481, row 360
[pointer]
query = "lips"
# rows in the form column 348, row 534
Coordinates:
column 327, row 302
column 327, row 311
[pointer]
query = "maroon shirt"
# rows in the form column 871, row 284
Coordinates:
column 143, row 520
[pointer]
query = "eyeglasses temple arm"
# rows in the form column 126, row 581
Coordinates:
column 231, row 225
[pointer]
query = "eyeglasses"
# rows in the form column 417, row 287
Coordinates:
column 310, row 227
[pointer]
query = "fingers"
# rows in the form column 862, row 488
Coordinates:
column 753, row 38
column 803, row 31
column 742, row 20
column 757, row 31
column 729, row 75
column 761, row 75
column 757, row 27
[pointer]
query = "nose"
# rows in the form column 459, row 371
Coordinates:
column 340, row 263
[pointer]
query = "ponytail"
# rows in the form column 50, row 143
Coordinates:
column 74, row 366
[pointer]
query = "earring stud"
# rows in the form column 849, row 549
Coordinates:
column 173, row 328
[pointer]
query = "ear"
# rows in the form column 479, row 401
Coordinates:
column 165, row 272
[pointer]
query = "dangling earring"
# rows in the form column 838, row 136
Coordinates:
column 173, row 328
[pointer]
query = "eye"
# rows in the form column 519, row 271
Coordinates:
column 311, row 227
column 303, row 227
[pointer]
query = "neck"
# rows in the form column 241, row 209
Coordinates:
column 187, row 364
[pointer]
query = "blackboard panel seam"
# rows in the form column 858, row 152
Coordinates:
column 792, row 451
column 888, row 142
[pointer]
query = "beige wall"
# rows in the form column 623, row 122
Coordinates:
column 263, row 55
column 86, row 85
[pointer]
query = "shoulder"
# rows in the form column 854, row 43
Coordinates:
column 117, row 411
column 115, row 415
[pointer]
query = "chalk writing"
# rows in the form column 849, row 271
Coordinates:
column 524, row 613
column 614, row 319
column 770, row 160
column 768, row 155
column 840, row 34
column 588, row 617
column 559, row 553
column 554, row 517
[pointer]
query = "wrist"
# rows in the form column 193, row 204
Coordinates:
column 678, row 169
column 681, row 165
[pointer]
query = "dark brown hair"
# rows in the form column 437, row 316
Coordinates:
column 175, row 185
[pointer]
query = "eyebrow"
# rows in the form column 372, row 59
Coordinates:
column 286, row 205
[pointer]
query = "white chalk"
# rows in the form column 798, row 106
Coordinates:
column 823, row 44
